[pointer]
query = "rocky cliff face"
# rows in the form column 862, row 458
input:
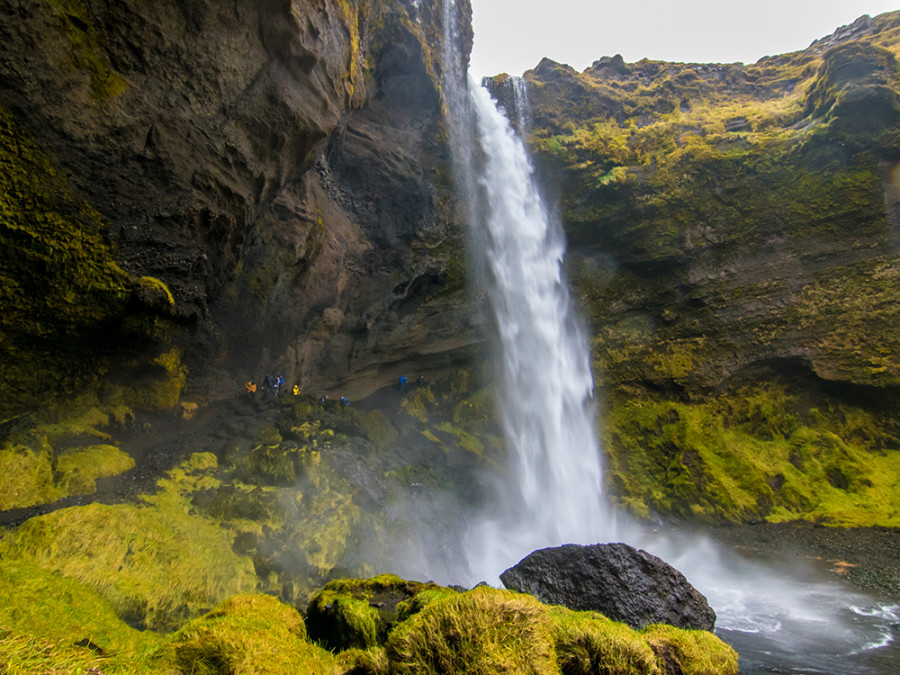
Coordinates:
column 735, row 245
column 265, row 185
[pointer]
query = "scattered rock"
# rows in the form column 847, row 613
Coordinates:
column 622, row 582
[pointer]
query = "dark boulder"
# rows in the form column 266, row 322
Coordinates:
column 621, row 582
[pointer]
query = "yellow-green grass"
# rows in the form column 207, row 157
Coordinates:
column 588, row 642
column 249, row 634
column 692, row 652
column 482, row 631
column 34, row 472
column 48, row 621
column 79, row 468
column 750, row 456
column 157, row 563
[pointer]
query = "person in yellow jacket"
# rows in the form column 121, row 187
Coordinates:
column 296, row 390
column 251, row 388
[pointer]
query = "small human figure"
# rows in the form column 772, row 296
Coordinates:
column 345, row 402
column 420, row 381
column 402, row 382
column 296, row 390
column 323, row 399
column 279, row 383
column 251, row 388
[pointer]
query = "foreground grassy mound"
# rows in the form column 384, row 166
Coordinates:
column 249, row 634
column 487, row 630
column 51, row 624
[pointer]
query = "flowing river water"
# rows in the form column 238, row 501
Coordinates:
column 781, row 619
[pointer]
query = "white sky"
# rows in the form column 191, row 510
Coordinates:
column 513, row 35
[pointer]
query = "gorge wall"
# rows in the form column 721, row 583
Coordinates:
column 734, row 238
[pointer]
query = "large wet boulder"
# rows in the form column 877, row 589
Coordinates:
column 622, row 582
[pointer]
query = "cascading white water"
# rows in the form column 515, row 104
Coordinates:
column 552, row 491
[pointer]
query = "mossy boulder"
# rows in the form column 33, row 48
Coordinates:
column 249, row 634
column 359, row 614
column 482, row 631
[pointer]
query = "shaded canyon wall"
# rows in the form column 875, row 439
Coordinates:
column 201, row 192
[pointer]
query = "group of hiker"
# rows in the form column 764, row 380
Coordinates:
column 270, row 384
column 274, row 385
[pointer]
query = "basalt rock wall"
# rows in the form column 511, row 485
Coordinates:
column 260, row 186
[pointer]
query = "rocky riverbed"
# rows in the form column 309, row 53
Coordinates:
column 868, row 558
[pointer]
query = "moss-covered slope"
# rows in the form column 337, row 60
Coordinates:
column 734, row 231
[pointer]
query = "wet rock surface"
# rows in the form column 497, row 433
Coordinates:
column 621, row 582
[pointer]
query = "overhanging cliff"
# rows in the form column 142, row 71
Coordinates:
column 267, row 185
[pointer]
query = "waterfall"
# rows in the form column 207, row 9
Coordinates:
column 550, row 492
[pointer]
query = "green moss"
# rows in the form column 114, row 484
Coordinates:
column 330, row 517
column 23, row 653
column 35, row 473
column 157, row 564
column 360, row 613
column 422, row 599
column 77, row 469
column 692, row 652
column 353, row 623
column 53, row 624
column 853, row 314
column 158, row 288
column 463, row 439
column 419, row 403
column 86, row 50
column 27, row 476
column 59, row 284
column 55, row 617
column 588, row 642
column 154, row 386
column 377, row 427
column 751, row 455
column 482, row 631
column 364, row 662
column 249, row 634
